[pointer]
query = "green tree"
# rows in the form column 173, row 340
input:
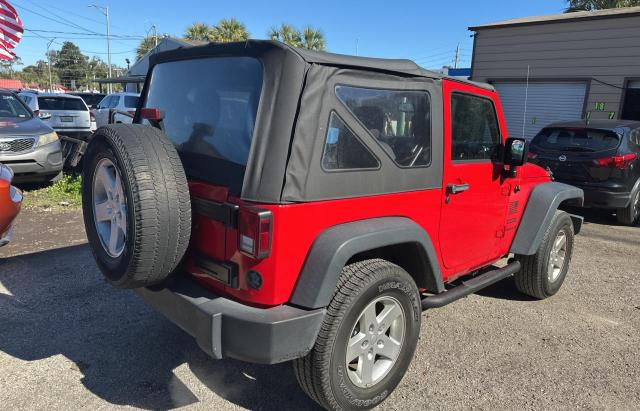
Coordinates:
column 287, row 34
column 228, row 30
column 588, row 5
column 198, row 31
column 145, row 45
column 70, row 64
column 313, row 39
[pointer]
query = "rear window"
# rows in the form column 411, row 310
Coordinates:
column 210, row 107
column 91, row 99
column 61, row 103
column 579, row 140
column 131, row 101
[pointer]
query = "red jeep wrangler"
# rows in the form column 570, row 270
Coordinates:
column 281, row 204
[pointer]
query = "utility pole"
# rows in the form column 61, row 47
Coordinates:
column 155, row 34
column 356, row 46
column 105, row 11
column 457, row 57
column 49, row 60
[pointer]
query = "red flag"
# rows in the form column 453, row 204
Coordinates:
column 10, row 30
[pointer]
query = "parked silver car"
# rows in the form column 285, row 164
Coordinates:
column 68, row 115
column 122, row 103
column 27, row 145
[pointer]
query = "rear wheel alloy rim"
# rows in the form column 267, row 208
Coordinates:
column 557, row 257
column 375, row 341
column 636, row 208
column 109, row 208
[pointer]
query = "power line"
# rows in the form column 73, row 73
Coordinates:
column 122, row 36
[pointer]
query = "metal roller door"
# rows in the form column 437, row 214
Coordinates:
column 547, row 102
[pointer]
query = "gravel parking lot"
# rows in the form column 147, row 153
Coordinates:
column 70, row 341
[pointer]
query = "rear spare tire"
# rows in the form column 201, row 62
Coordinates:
column 136, row 205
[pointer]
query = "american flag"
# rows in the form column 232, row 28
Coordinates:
column 10, row 30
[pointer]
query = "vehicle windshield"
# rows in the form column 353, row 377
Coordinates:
column 11, row 107
column 131, row 101
column 61, row 103
column 210, row 107
column 579, row 140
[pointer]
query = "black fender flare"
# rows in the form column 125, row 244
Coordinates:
column 333, row 248
column 542, row 205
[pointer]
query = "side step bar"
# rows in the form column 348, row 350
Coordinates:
column 471, row 286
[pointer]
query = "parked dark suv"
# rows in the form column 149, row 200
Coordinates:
column 601, row 157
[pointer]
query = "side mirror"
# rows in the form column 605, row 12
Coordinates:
column 515, row 152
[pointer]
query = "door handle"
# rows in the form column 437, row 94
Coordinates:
column 457, row 188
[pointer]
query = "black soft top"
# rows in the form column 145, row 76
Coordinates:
column 262, row 48
column 297, row 98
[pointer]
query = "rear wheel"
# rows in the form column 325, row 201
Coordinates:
column 631, row 213
column 367, row 339
column 136, row 205
column 543, row 273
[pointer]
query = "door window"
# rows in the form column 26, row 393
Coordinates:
column 474, row 128
column 113, row 103
column 400, row 121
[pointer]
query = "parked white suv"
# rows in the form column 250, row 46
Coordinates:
column 122, row 102
column 68, row 115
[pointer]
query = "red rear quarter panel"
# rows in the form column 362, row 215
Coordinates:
column 8, row 209
column 295, row 228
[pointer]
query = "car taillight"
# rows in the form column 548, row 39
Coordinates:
column 621, row 162
column 255, row 232
column 92, row 118
column 151, row 114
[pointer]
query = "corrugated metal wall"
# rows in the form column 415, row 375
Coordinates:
column 546, row 103
column 600, row 51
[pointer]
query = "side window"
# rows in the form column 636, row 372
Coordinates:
column 634, row 137
column 113, row 103
column 104, row 103
column 474, row 128
column 343, row 150
column 400, row 121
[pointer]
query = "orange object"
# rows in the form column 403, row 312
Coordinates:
column 10, row 202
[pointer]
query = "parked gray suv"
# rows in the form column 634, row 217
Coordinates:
column 27, row 145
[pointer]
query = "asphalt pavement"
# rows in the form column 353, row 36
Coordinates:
column 70, row 341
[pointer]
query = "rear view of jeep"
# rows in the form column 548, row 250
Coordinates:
column 286, row 205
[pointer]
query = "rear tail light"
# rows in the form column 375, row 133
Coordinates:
column 620, row 162
column 92, row 117
column 154, row 114
column 255, row 228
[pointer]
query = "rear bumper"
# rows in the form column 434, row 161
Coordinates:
column 606, row 199
column 42, row 163
column 225, row 328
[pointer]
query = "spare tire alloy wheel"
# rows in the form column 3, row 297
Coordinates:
column 109, row 208
column 376, row 341
column 136, row 205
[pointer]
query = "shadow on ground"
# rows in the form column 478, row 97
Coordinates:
column 58, row 304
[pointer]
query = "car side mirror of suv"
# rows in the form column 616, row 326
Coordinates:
column 515, row 152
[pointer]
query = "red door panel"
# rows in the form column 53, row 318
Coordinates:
column 472, row 220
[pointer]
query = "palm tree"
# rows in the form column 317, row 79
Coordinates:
column 198, row 31
column 313, row 39
column 228, row 30
column 145, row 45
column 588, row 5
column 287, row 34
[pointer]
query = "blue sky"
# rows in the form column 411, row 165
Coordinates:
column 425, row 31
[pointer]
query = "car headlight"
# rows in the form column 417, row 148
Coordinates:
column 47, row 138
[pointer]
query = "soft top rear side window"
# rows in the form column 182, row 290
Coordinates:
column 577, row 140
column 210, row 107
